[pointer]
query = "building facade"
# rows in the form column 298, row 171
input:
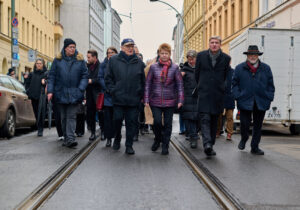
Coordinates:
column 83, row 21
column 194, row 20
column 178, row 36
column 229, row 18
column 116, row 23
column 279, row 14
column 108, row 24
column 37, row 31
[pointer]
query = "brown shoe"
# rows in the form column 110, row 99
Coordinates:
column 228, row 137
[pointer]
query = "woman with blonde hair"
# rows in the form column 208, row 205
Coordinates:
column 163, row 93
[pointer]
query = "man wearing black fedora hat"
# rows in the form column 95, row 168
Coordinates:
column 253, row 89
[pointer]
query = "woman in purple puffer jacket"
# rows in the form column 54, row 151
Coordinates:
column 164, row 93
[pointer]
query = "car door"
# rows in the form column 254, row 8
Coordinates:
column 13, row 95
column 27, row 115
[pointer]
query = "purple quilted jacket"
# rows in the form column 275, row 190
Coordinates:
column 166, row 94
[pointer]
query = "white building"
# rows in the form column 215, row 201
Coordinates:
column 279, row 14
column 116, row 22
column 83, row 21
column 108, row 25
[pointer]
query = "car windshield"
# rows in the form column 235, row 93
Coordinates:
column 19, row 87
column 6, row 82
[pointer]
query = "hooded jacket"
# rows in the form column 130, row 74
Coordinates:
column 68, row 78
column 33, row 83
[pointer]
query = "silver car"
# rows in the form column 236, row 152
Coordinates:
column 15, row 107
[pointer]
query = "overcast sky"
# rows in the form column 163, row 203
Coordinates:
column 152, row 23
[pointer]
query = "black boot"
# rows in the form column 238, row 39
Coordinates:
column 129, row 151
column 165, row 149
column 136, row 137
column 40, row 133
column 102, row 135
column 108, row 143
column 194, row 143
column 92, row 137
column 116, row 144
column 155, row 146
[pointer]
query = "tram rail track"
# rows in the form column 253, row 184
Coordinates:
column 51, row 184
column 226, row 200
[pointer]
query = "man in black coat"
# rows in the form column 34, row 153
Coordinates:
column 189, row 109
column 125, row 81
column 92, row 90
column 212, row 66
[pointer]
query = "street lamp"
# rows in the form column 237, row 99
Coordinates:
column 187, row 35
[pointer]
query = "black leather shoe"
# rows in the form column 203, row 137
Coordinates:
column 135, row 138
column 155, row 146
column 116, row 145
column 194, row 143
column 108, row 143
column 92, row 137
column 102, row 135
column 257, row 151
column 79, row 134
column 129, row 151
column 72, row 144
column 40, row 133
column 165, row 151
column 242, row 145
column 207, row 149
column 182, row 133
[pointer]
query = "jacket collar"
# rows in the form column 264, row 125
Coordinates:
column 134, row 58
column 187, row 67
column 218, row 58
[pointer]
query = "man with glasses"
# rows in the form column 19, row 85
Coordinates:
column 125, row 80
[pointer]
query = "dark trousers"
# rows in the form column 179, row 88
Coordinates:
column 80, row 126
column 191, row 128
column 101, row 120
column 163, row 132
column 131, row 116
column 208, row 123
column 57, row 118
column 108, row 112
column 68, row 120
column 91, row 111
column 246, row 118
column 39, row 122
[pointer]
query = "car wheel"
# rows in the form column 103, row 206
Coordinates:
column 9, row 126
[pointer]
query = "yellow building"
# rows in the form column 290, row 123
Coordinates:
column 193, row 18
column 226, row 18
column 39, row 30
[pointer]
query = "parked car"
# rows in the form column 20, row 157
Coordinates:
column 15, row 107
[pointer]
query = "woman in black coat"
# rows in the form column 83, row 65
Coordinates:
column 189, row 110
column 35, row 89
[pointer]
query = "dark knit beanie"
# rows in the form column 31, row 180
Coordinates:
column 67, row 42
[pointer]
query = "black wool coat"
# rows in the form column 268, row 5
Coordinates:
column 211, row 82
column 189, row 109
column 94, row 88
column 125, row 80
column 34, row 85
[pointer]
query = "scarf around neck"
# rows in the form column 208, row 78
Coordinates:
column 164, row 72
column 253, row 69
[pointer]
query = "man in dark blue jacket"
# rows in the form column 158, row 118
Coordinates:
column 125, row 81
column 253, row 88
column 67, row 82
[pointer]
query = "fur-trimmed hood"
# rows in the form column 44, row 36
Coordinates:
column 79, row 56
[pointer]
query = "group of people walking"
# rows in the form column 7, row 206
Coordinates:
column 203, row 90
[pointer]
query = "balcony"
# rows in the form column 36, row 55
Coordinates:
column 58, row 29
column 59, row 2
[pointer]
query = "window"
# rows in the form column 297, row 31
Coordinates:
column 33, row 38
column 27, row 29
column 226, row 24
column 23, row 30
column 250, row 11
column 9, row 22
column 7, row 83
column 19, row 87
column 37, row 39
column 241, row 14
column 220, row 25
column 41, row 41
column 1, row 18
column 232, row 18
column 265, row 6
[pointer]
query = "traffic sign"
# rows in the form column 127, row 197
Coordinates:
column 15, row 49
column 15, row 22
column 15, row 63
column 15, row 30
column 31, row 56
column 15, row 56
column 15, row 42
column 15, row 35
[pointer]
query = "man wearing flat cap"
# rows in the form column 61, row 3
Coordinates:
column 68, row 79
column 253, row 89
column 125, row 81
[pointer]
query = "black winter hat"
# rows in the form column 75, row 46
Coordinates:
column 253, row 50
column 67, row 42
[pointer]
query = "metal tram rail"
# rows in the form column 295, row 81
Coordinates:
column 49, row 186
column 222, row 195
column 43, row 192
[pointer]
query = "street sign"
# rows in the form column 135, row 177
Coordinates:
column 31, row 56
column 15, row 30
column 15, row 22
column 15, row 63
column 15, row 35
column 15, row 56
column 15, row 42
column 15, row 49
